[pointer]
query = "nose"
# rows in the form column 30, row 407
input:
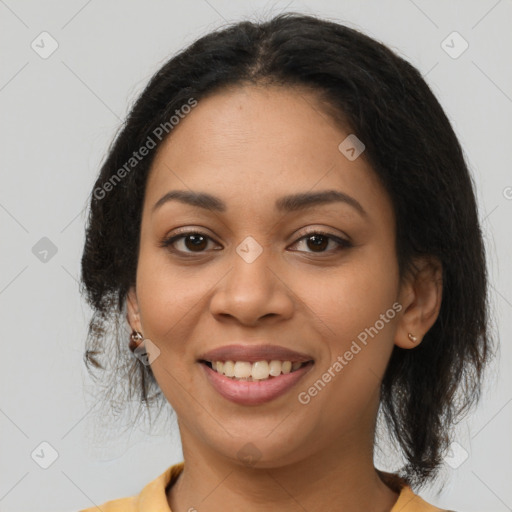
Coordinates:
column 251, row 292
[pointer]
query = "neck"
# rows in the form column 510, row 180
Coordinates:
column 341, row 479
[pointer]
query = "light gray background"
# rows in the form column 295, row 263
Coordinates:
column 58, row 116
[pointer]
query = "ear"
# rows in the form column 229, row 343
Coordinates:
column 132, row 310
column 420, row 296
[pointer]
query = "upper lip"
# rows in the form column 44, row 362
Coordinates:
column 253, row 353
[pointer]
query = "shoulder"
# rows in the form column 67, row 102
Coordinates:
column 409, row 501
column 119, row 505
column 152, row 497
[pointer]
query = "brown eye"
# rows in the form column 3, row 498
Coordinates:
column 317, row 242
column 190, row 242
column 195, row 242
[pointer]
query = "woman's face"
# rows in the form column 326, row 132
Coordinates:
column 257, row 275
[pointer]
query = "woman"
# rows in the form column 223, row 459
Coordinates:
column 288, row 227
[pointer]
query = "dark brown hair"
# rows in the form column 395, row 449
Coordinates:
column 413, row 150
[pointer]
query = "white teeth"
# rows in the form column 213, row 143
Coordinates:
column 260, row 370
column 275, row 368
column 229, row 369
column 286, row 367
column 242, row 370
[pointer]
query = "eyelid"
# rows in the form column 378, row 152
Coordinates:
column 325, row 232
column 180, row 233
column 342, row 242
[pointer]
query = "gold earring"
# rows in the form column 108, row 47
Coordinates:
column 135, row 340
column 412, row 337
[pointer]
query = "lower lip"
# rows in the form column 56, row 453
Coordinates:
column 254, row 392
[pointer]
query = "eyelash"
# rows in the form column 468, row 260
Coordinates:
column 168, row 242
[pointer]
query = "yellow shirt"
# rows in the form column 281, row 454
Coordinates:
column 153, row 497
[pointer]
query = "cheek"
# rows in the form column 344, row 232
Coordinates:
column 166, row 303
column 352, row 296
column 354, row 306
column 165, row 297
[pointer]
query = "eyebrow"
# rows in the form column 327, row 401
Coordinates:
column 289, row 203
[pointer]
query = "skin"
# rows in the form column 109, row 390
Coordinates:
column 249, row 146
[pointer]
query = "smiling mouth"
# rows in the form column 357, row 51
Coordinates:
column 254, row 372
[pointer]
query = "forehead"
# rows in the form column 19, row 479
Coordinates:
column 254, row 144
